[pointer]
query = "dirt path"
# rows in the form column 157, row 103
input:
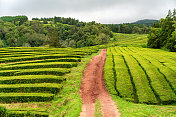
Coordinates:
column 93, row 87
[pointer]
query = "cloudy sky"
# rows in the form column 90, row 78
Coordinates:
column 102, row 11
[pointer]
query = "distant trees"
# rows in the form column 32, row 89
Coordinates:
column 129, row 28
column 17, row 20
column 164, row 33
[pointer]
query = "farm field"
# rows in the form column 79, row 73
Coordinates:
column 45, row 81
column 141, row 75
column 32, row 78
column 130, row 39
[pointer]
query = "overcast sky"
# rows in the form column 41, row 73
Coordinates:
column 102, row 11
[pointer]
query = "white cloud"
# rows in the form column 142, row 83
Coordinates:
column 103, row 11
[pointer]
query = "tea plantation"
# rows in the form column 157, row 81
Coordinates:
column 30, row 75
column 141, row 75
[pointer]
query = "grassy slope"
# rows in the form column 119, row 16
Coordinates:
column 130, row 39
column 129, row 109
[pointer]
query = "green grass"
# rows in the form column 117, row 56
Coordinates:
column 98, row 111
column 129, row 109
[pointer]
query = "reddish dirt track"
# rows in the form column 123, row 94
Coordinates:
column 93, row 87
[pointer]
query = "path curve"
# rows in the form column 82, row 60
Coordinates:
column 93, row 87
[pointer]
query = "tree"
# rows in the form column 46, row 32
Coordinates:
column 35, row 40
column 1, row 43
column 171, row 43
column 165, row 35
column 154, row 38
column 53, row 38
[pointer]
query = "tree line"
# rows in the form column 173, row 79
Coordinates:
column 18, row 31
column 163, row 34
column 129, row 28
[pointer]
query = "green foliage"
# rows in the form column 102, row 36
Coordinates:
column 2, row 111
column 98, row 112
column 19, row 20
column 54, row 39
column 31, row 79
column 163, row 34
column 130, row 28
column 1, row 43
column 35, row 40
column 147, row 22
column 31, row 88
column 140, row 76
column 153, row 38
column 34, row 77
column 55, row 32
column 25, row 97
column 41, row 65
column 129, row 39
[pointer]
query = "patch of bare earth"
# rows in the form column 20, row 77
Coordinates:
column 93, row 87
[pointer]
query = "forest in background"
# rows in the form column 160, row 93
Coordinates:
column 57, row 32
column 17, row 31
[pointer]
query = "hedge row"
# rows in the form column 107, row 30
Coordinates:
column 31, row 88
column 40, row 65
column 158, row 62
column 42, row 71
column 168, row 73
column 43, row 61
column 31, row 79
column 25, row 97
column 109, row 74
column 25, row 113
column 158, row 82
column 143, row 89
column 123, row 83
column 38, row 57
column 166, row 58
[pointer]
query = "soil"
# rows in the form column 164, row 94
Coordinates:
column 93, row 88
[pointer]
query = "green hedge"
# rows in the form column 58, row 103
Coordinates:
column 26, row 114
column 143, row 89
column 3, row 111
column 42, row 71
column 170, row 75
column 41, row 65
column 109, row 75
column 123, row 83
column 29, row 112
column 25, row 97
column 31, row 88
column 164, row 92
column 38, row 57
column 31, row 79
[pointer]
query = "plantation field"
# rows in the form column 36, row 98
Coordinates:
column 141, row 75
column 130, row 39
column 35, row 75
